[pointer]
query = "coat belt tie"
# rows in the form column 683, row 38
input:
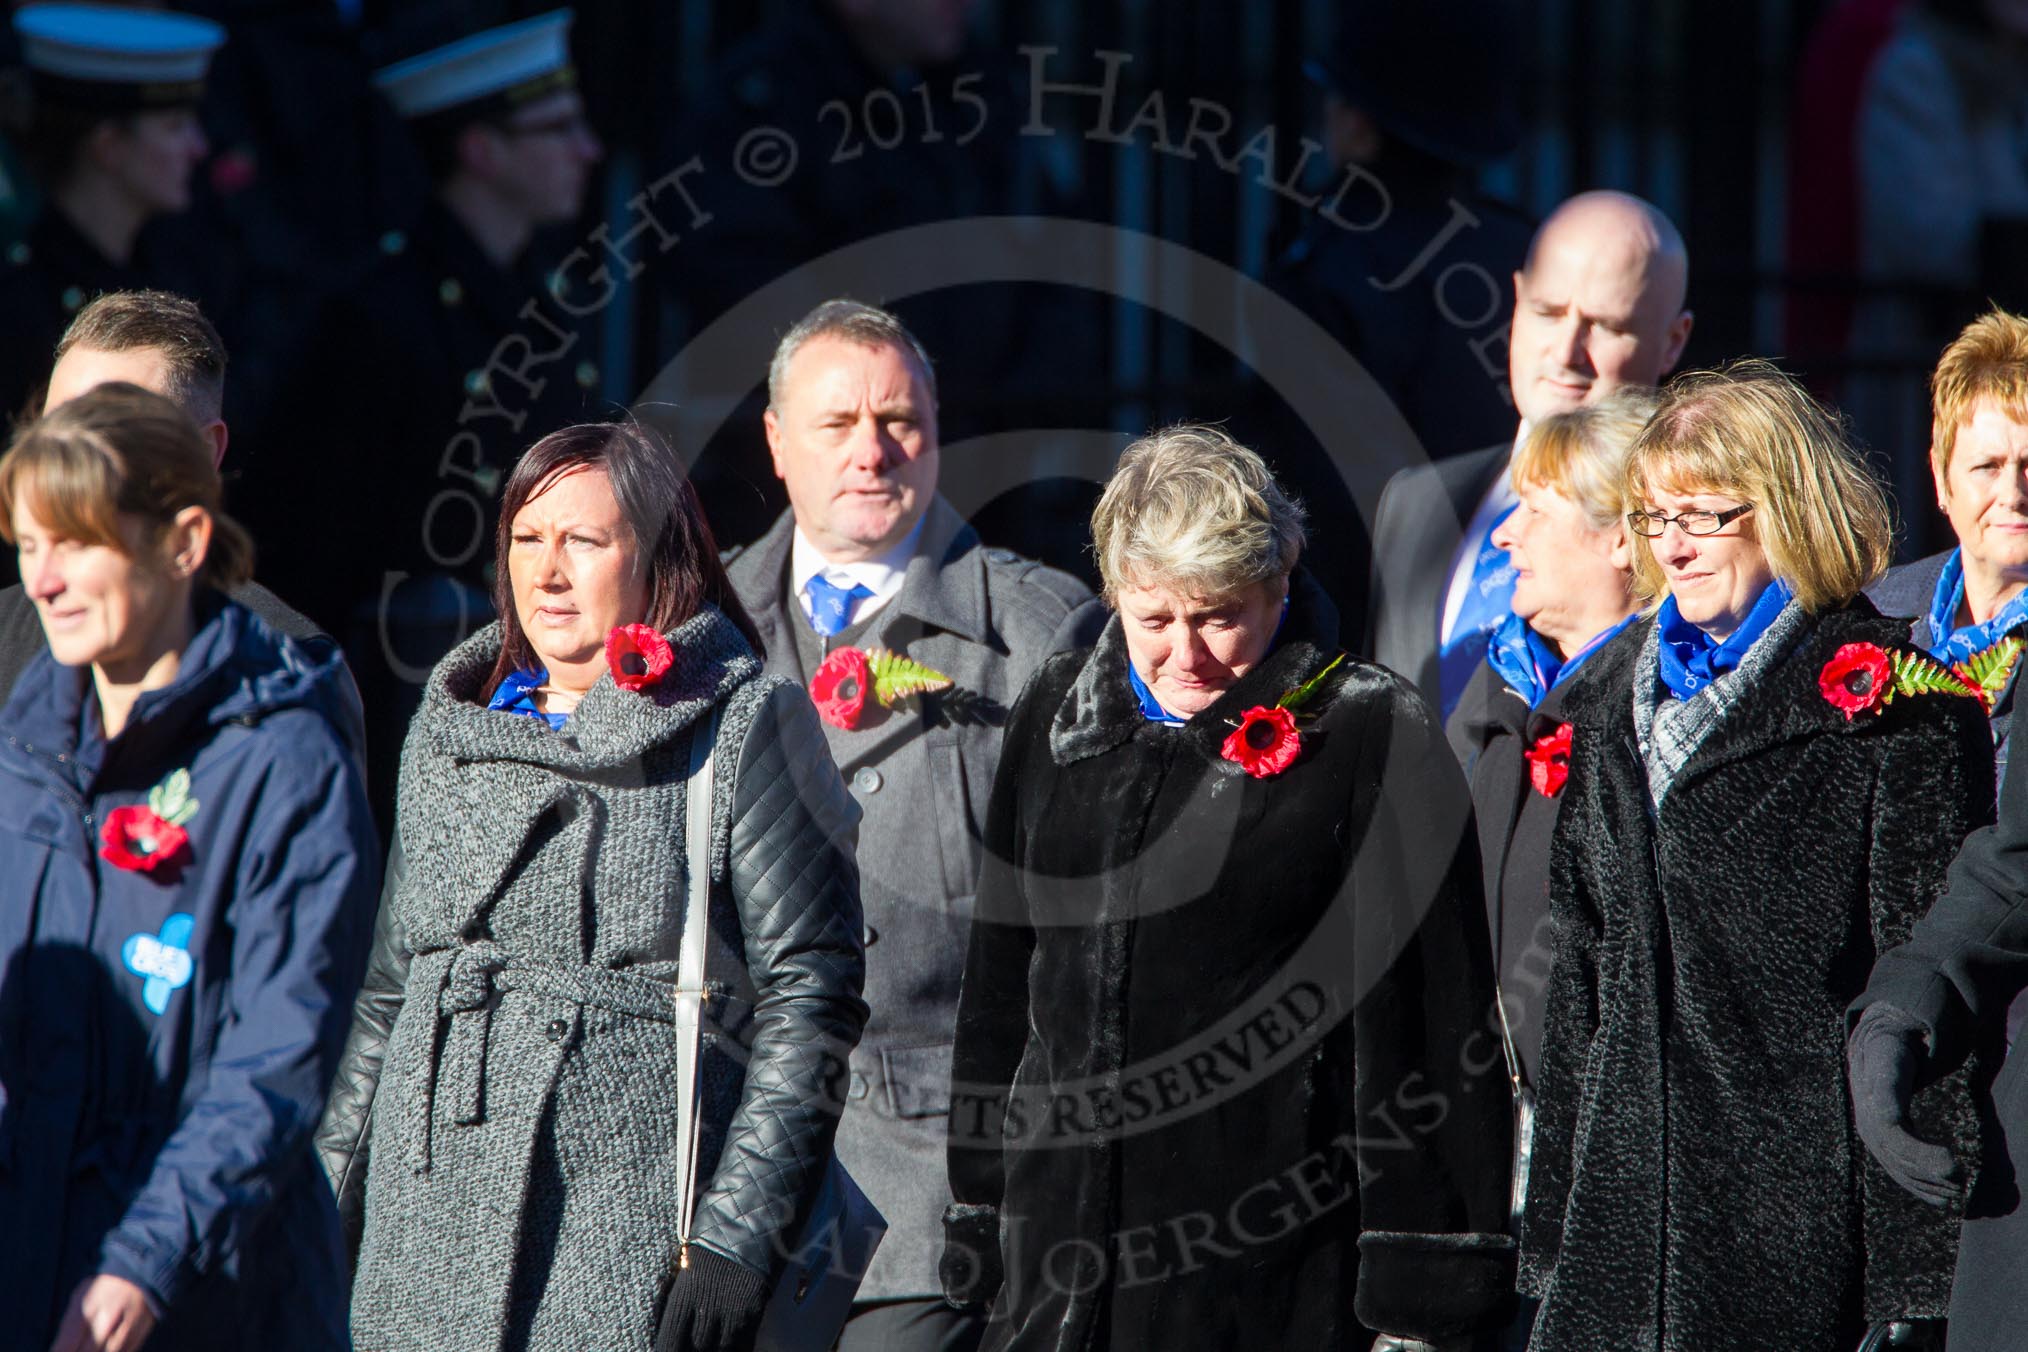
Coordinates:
column 467, row 997
column 469, row 980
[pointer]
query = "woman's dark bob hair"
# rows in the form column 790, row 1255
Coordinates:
column 656, row 496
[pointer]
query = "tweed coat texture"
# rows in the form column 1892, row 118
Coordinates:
column 1225, row 1073
column 1697, row 1180
column 523, row 1131
column 921, row 775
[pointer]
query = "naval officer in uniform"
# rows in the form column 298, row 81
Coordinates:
column 113, row 139
column 426, row 378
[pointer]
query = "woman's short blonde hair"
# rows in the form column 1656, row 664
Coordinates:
column 1750, row 432
column 1583, row 454
column 1189, row 507
column 1987, row 362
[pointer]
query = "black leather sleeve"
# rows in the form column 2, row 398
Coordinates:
column 342, row 1136
column 1967, row 957
column 796, row 884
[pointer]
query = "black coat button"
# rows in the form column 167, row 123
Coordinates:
column 558, row 1029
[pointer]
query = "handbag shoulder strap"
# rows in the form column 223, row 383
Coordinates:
column 690, row 970
column 1515, row 1079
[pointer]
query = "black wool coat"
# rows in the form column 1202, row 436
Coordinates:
column 1491, row 730
column 1697, row 1181
column 1956, row 976
column 1223, row 1051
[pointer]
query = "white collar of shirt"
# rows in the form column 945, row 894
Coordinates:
column 1499, row 497
column 882, row 576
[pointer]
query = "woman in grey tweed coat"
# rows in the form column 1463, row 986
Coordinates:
column 503, row 1134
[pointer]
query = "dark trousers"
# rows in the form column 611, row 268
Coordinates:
column 911, row 1326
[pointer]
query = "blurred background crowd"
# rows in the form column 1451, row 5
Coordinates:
column 1850, row 177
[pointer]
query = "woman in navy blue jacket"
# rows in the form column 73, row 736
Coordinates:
column 189, row 873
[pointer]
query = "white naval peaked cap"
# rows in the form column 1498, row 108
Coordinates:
column 161, row 56
column 499, row 61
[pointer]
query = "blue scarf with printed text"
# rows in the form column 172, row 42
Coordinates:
column 1530, row 664
column 1948, row 643
column 1692, row 659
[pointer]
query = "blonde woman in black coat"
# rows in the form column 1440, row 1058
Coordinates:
column 1758, row 804
column 1573, row 560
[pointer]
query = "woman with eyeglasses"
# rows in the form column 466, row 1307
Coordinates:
column 1766, row 786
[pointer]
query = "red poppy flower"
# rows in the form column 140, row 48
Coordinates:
column 1857, row 678
column 638, row 656
column 840, row 686
column 1265, row 742
column 134, row 838
column 1549, row 761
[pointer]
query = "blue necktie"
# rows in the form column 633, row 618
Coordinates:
column 831, row 604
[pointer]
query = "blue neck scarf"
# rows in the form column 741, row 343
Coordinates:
column 1529, row 663
column 1151, row 708
column 1947, row 642
column 1691, row 659
column 516, row 695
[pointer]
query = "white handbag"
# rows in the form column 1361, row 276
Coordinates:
column 813, row 1292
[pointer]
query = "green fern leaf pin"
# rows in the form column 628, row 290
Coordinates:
column 171, row 801
column 895, row 677
column 1302, row 694
column 1919, row 674
column 1989, row 670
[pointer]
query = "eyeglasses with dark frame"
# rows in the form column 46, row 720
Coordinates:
column 1652, row 524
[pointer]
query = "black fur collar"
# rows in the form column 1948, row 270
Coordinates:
column 1099, row 711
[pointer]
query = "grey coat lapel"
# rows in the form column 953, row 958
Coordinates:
column 944, row 591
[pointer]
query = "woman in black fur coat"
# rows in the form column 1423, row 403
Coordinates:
column 1225, row 1075
column 1758, row 804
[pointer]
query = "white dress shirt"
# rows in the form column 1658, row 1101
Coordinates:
column 882, row 575
column 1500, row 495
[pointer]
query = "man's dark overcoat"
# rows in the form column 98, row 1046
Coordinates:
column 920, row 775
column 1967, row 959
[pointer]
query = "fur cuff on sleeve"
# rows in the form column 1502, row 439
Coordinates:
column 1434, row 1287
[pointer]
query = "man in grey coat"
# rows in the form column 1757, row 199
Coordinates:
column 1597, row 305
column 868, row 556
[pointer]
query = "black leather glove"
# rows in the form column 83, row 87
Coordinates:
column 714, row 1305
column 970, row 1270
column 1883, row 1059
column 1906, row 1335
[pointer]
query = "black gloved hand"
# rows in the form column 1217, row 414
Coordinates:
column 714, row 1304
column 1906, row 1335
column 1883, row 1058
column 970, row 1270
